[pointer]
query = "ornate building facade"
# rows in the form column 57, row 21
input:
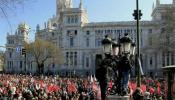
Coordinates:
column 15, row 43
column 80, row 40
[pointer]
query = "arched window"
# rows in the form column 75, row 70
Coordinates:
column 72, row 19
column 68, row 20
column 76, row 19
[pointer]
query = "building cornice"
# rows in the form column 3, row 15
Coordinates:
column 118, row 24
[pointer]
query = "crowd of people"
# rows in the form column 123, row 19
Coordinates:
column 28, row 87
column 150, row 89
column 18, row 87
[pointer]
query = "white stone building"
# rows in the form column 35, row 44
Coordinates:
column 15, row 42
column 80, row 40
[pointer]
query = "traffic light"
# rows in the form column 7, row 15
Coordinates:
column 23, row 51
column 140, row 14
column 137, row 15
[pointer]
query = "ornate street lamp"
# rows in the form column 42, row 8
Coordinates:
column 116, row 64
column 132, row 50
column 107, row 45
column 127, row 46
column 115, row 48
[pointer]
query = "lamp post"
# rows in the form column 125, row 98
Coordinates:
column 137, row 16
column 107, row 45
column 102, row 72
column 118, row 58
column 125, row 62
column 25, row 59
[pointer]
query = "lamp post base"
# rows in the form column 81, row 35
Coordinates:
column 117, row 97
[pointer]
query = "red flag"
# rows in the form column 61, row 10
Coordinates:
column 49, row 88
column 72, row 88
column 132, row 86
column 158, row 84
column 151, row 90
column 110, row 85
column 52, row 88
column 158, row 90
column 41, row 82
column 99, row 94
column 55, row 88
column 143, row 88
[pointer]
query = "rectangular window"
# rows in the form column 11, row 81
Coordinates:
column 163, row 59
column 10, row 55
column 67, row 58
column 68, row 20
column 167, row 59
column 71, row 41
column 115, row 31
column 76, row 19
column 97, row 42
column 20, row 65
column 150, row 41
column 68, row 32
column 31, row 66
column 8, row 64
column 87, row 61
column 87, row 42
column 172, row 59
column 75, row 32
column 71, row 58
column 87, row 32
column 72, row 19
column 75, row 58
column 150, row 31
column 150, row 61
column 96, row 31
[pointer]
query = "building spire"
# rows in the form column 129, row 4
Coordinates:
column 153, row 6
column 81, row 4
column 157, row 2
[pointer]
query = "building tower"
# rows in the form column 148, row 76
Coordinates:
column 157, row 2
column 81, row 5
column 62, row 4
column 22, row 33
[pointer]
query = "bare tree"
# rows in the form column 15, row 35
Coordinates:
column 43, row 52
column 9, row 6
column 2, row 60
column 165, row 39
column 162, row 40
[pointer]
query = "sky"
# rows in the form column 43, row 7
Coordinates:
column 35, row 12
